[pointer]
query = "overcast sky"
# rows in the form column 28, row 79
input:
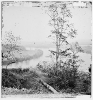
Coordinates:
column 31, row 23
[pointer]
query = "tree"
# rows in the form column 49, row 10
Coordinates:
column 73, row 59
column 59, row 14
column 10, row 44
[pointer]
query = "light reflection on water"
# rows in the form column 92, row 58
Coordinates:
column 33, row 62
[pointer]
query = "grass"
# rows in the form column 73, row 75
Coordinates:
column 68, row 80
column 62, row 79
column 19, row 79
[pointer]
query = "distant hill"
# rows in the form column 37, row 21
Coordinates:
column 50, row 44
column 87, row 48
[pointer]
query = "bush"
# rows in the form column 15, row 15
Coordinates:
column 67, row 78
column 83, row 83
column 17, row 78
column 10, row 80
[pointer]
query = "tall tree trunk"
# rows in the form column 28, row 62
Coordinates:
column 57, row 49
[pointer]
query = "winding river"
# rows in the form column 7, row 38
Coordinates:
column 33, row 62
column 45, row 57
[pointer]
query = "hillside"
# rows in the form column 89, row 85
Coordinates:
column 19, row 54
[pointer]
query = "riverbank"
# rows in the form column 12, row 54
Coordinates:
column 33, row 62
column 23, row 55
column 42, row 80
column 26, row 79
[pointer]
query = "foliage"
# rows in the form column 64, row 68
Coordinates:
column 21, row 81
column 67, row 79
column 15, row 91
column 10, row 80
column 10, row 43
column 59, row 14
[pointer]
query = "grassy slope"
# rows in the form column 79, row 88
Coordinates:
column 17, row 81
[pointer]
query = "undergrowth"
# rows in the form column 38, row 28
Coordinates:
column 67, row 79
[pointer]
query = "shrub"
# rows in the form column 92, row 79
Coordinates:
column 10, row 80
column 83, row 84
column 68, row 79
column 29, row 84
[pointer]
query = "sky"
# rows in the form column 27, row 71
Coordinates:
column 32, row 23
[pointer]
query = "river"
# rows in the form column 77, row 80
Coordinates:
column 45, row 57
column 33, row 62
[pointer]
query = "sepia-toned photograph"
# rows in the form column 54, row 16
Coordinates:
column 46, row 49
